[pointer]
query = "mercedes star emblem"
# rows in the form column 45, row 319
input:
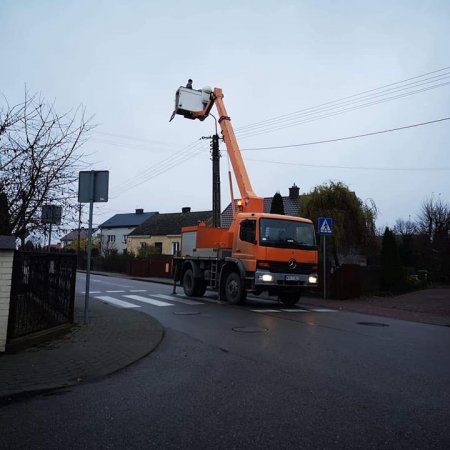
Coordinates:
column 292, row 263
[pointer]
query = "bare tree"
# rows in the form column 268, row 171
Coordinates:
column 405, row 227
column 39, row 158
column 434, row 219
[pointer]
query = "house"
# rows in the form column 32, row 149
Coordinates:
column 290, row 203
column 114, row 232
column 163, row 231
column 74, row 236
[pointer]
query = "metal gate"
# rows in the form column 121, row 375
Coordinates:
column 42, row 292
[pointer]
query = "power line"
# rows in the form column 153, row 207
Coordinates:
column 325, row 110
column 337, row 112
column 266, row 121
column 321, row 166
column 347, row 137
column 164, row 166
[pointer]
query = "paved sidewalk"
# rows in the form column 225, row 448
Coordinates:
column 113, row 339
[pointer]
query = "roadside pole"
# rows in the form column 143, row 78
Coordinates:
column 325, row 225
column 324, row 267
column 92, row 187
column 89, row 246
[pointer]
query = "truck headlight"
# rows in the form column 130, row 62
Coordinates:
column 312, row 279
column 266, row 277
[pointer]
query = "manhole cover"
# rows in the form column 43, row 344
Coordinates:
column 373, row 324
column 250, row 329
column 186, row 313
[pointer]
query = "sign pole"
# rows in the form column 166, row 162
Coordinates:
column 50, row 238
column 324, row 267
column 325, row 229
column 92, row 187
column 89, row 248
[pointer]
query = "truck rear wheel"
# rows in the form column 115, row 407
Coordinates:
column 289, row 298
column 234, row 289
column 189, row 284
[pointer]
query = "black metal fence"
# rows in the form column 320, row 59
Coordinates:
column 42, row 292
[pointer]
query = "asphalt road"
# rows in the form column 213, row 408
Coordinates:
column 252, row 376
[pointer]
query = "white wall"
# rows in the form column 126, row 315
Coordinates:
column 6, row 262
column 119, row 243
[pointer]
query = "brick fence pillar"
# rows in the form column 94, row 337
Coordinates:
column 7, row 247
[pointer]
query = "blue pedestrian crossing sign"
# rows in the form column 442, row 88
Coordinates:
column 325, row 225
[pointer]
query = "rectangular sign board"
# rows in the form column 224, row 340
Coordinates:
column 98, row 192
column 325, row 225
column 51, row 214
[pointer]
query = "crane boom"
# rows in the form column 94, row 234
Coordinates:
column 250, row 201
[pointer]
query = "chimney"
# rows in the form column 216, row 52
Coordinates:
column 139, row 211
column 294, row 192
column 186, row 209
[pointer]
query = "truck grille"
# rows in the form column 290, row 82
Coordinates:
column 282, row 267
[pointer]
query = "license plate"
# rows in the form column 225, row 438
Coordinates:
column 292, row 278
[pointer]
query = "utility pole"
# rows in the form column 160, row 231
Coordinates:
column 215, row 158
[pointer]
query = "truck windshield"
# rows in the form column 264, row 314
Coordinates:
column 287, row 234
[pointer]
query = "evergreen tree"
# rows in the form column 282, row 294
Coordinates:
column 5, row 223
column 391, row 267
column 277, row 206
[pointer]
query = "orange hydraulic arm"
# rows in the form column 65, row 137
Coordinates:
column 250, row 201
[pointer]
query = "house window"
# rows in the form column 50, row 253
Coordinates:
column 125, row 238
column 111, row 238
column 142, row 244
column 158, row 246
column 175, row 248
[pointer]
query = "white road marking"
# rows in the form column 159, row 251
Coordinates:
column 295, row 310
column 322, row 310
column 172, row 298
column 114, row 301
column 150, row 301
column 114, row 292
column 138, row 290
column 92, row 292
column 265, row 310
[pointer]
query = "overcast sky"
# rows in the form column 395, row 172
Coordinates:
column 124, row 60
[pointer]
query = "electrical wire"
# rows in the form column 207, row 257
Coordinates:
column 328, row 109
column 322, row 166
column 347, row 137
column 162, row 167
column 334, row 113
column 341, row 100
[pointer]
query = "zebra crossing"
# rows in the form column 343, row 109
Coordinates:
column 136, row 298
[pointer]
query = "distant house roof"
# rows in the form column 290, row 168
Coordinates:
column 290, row 204
column 127, row 220
column 170, row 223
column 73, row 235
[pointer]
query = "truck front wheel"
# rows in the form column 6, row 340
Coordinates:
column 289, row 298
column 234, row 289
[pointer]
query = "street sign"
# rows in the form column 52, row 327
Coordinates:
column 93, row 186
column 326, row 226
column 51, row 214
